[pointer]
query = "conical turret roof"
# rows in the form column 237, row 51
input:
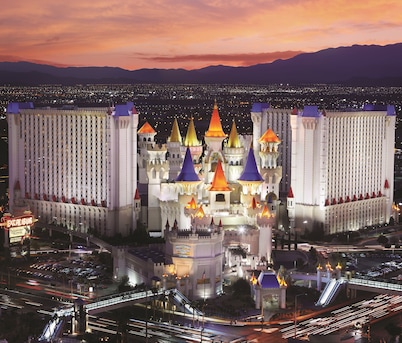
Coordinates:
column 215, row 126
column 146, row 128
column 191, row 136
column 175, row 135
column 250, row 172
column 234, row 141
column 187, row 173
column 219, row 182
column 269, row 137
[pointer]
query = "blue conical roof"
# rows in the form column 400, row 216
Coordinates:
column 250, row 172
column 187, row 173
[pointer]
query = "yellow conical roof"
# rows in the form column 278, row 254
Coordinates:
column 234, row 141
column 215, row 126
column 191, row 136
column 175, row 135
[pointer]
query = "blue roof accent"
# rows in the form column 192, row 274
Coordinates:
column 267, row 279
column 15, row 107
column 377, row 107
column 250, row 172
column 391, row 110
column 259, row 106
column 123, row 110
column 311, row 111
column 187, row 172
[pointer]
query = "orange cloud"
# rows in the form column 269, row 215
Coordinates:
column 189, row 34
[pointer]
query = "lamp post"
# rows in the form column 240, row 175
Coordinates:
column 146, row 315
column 295, row 314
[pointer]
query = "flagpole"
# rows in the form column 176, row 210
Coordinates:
column 203, row 306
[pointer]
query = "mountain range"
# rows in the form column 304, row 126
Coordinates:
column 363, row 65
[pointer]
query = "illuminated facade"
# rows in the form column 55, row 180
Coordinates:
column 342, row 168
column 75, row 167
column 278, row 120
column 207, row 199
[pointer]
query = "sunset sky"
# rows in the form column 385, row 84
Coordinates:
column 188, row 34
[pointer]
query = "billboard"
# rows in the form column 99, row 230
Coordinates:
column 18, row 228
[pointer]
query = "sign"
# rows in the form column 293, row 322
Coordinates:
column 182, row 250
column 19, row 221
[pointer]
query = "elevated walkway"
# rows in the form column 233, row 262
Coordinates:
column 375, row 286
column 54, row 327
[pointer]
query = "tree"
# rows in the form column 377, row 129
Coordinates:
column 124, row 284
column 382, row 239
column 241, row 287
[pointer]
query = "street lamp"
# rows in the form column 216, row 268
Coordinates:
column 305, row 224
column 295, row 314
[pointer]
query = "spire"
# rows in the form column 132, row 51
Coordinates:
column 290, row 193
column 219, row 182
column 234, row 141
column 269, row 137
column 146, row 128
column 215, row 126
column 250, row 172
column 191, row 136
column 200, row 212
column 137, row 195
column 192, row 204
column 175, row 135
column 265, row 212
column 187, row 172
column 253, row 204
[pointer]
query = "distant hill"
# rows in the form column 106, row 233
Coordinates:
column 362, row 65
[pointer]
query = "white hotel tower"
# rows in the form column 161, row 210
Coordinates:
column 342, row 168
column 75, row 167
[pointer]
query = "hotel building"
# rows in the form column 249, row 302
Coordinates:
column 342, row 168
column 75, row 167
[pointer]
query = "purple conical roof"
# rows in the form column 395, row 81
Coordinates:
column 187, row 173
column 250, row 172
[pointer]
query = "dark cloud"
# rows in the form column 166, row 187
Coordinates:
column 229, row 59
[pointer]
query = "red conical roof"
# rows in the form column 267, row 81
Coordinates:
column 219, row 182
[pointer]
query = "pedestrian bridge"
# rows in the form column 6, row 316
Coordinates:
column 375, row 286
column 53, row 328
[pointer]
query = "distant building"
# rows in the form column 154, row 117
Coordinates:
column 342, row 168
column 75, row 167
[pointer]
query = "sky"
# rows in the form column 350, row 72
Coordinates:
column 189, row 34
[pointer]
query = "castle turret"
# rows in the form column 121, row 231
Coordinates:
column 191, row 141
column 187, row 187
column 265, row 222
column 270, row 171
column 291, row 208
column 146, row 136
column 214, row 138
column 174, row 149
column 137, row 206
column 219, row 191
column 250, row 180
column 234, row 154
